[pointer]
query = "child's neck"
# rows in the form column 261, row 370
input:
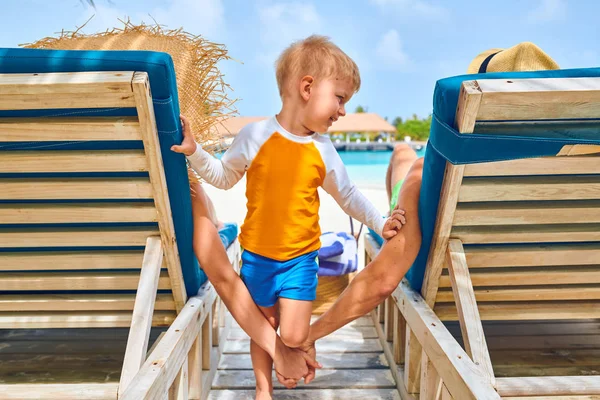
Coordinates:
column 291, row 119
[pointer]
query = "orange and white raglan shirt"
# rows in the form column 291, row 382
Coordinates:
column 283, row 173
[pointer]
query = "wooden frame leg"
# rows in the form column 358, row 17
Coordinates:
column 431, row 383
column 388, row 324
column 412, row 365
column 207, row 341
column 143, row 309
column 399, row 336
column 466, row 307
column 215, row 322
column 179, row 389
column 195, row 369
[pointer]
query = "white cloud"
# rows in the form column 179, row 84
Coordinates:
column 282, row 23
column 285, row 22
column 200, row 17
column 413, row 7
column 390, row 52
column 203, row 17
column 548, row 10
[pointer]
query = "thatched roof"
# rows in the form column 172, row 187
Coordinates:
column 359, row 122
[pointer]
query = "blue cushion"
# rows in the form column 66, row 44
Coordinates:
column 159, row 67
column 378, row 239
column 445, row 144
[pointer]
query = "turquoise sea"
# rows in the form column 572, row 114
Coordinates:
column 368, row 168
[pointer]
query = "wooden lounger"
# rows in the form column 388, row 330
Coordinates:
column 516, row 243
column 87, row 238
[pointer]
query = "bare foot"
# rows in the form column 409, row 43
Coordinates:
column 263, row 395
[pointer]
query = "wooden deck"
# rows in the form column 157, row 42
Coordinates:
column 354, row 367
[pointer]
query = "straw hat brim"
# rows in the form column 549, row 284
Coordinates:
column 202, row 92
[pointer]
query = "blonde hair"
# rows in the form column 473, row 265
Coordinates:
column 316, row 56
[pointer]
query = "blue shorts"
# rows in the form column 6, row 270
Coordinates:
column 267, row 279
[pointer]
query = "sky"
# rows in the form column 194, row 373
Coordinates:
column 402, row 47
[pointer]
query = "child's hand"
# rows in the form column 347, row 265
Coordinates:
column 188, row 145
column 393, row 224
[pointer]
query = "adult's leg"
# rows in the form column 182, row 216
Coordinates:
column 403, row 157
column 205, row 204
column 380, row 278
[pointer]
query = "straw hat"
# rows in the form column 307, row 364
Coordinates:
column 524, row 56
column 201, row 89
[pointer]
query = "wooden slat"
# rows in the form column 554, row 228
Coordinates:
column 579, row 149
column 326, row 379
column 527, row 213
column 527, row 310
column 534, row 255
column 513, row 277
column 574, row 397
column 313, row 394
column 78, row 302
column 72, row 391
column 141, row 322
column 73, row 161
column 346, row 332
column 537, row 293
column 69, row 260
column 75, row 188
column 145, row 110
column 544, row 98
column 52, row 213
column 552, row 342
column 468, row 314
column 326, row 345
column 14, row 281
column 69, row 129
column 445, row 395
column 549, row 386
column 339, row 361
column 66, row 90
column 557, row 233
column 532, row 328
column 578, row 165
column 61, row 237
column 43, row 320
column 530, row 188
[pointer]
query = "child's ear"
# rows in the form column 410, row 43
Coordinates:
column 306, row 84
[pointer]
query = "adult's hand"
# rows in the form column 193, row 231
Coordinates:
column 292, row 365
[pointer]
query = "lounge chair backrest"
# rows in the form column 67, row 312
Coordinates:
column 80, row 197
column 529, row 228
